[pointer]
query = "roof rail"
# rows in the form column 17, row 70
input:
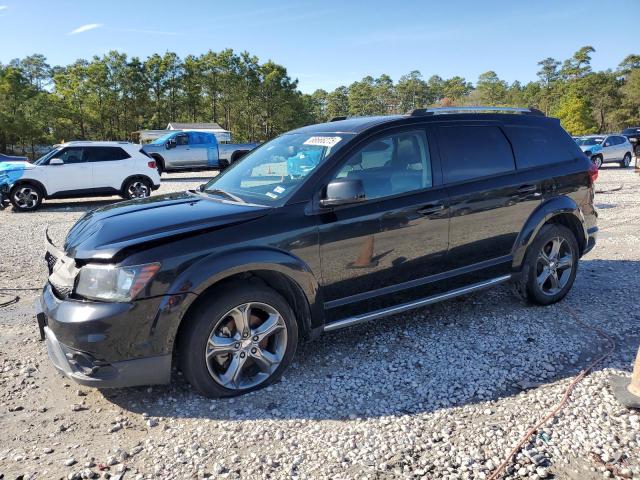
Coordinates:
column 337, row 119
column 419, row 112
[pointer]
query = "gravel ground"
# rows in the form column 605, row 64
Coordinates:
column 442, row 392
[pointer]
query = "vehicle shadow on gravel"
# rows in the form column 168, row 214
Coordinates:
column 473, row 349
column 79, row 206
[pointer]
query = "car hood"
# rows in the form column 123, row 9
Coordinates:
column 590, row 148
column 103, row 232
column 16, row 165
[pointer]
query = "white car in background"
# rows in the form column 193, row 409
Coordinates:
column 606, row 149
column 80, row 169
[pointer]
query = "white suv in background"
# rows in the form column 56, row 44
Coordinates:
column 81, row 169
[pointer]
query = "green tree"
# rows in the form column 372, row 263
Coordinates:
column 456, row 88
column 579, row 64
column 574, row 114
column 412, row 92
column 338, row 103
column 491, row 90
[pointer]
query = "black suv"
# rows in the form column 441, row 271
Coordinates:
column 321, row 228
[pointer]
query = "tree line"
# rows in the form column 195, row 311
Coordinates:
column 584, row 100
column 112, row 96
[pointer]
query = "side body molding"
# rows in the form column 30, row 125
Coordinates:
column 541, row 215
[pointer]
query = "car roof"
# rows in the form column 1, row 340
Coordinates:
column 92, row 143
column 349, row 125
column 355, row 125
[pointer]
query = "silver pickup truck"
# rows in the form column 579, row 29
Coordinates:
column 180, row 150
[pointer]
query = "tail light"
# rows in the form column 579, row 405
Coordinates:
column 593, row 173
column 152, row 164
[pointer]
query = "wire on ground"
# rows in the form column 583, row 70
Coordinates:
column 525, row 438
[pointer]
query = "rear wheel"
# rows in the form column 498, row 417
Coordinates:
column 626, row 161
column 550, row 265
column 26, row 197
column 238, row 342
column 136, row 188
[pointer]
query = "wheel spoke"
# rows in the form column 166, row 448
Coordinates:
column 265, row 360
column 240, row 317
column 231, row 378
column 556, row 243
column 543, row 276
column 565, row 262
column 555, row 281
column 272, row 324
column 220, row 345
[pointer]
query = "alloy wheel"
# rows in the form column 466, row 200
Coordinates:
column 554, row 266
column 246, row 346
column 627, row 160
column 26, row 197
column 138, row 189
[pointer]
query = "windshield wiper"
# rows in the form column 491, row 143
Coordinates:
column 231, row 196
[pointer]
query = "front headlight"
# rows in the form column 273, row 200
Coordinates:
column 114, row 284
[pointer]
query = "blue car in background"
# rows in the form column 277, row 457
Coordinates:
column 4, row 177
column 302, row 163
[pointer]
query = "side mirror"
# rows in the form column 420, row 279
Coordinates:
column 607, row 144
column 202, row 187
column 56, row 161
column 343, row 191
column 171, row 143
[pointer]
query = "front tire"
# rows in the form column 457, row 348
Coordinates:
column 26, row 197
column 136, row 188
column 550, row 265
column 239, row 340
column 626, row 161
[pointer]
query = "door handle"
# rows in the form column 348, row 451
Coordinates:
column 529, row 190
column 431, row 209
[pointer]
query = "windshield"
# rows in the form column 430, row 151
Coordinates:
column 45, row 158
column 271, row 173
column 590, row 141
column 161, row 140
column 631, row 131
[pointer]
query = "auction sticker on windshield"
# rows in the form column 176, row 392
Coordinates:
column 323, row 141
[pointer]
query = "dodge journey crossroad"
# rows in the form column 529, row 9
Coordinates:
column 323, row 227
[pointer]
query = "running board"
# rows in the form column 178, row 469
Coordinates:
column 365, row 317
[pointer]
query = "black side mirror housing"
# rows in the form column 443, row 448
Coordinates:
column 171, row 143
column 202, row 187
column 343, row 191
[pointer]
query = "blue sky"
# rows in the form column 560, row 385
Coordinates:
column 330, row 43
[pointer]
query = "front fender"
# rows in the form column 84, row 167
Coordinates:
column 214, row 268
column 541, row 215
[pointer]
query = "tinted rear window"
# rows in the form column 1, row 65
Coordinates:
column 470, row 152
column 105, row 154
column 535, row 146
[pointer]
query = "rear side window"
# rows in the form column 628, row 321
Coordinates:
column 105, row 154
column 199, row 138
column 535, row 146
column 470, row 152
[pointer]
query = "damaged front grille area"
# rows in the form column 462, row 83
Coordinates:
column 62, row 270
